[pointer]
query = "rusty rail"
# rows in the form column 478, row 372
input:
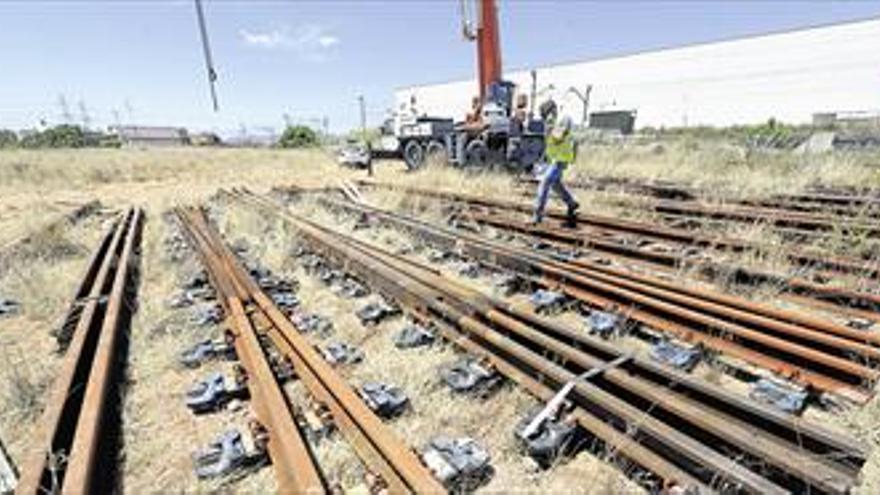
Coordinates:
column 788, row 222
column 609, row 225
column 254, row 313
column 842, row 202
column 853, row 303
column 677, row 427
column 806, row 349
column 75, row 449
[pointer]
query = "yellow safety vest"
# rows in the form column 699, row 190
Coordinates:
column 560, row 149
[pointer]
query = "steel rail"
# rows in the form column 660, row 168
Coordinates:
column 371, row 438
column 54, row 457
column 374, row 442
column 393, row 285
column 598, row 223
column 276, row 208
column 730, row 429
column 294, row 467
column 796, row 221
column 728, row 306
column 738, row 303
column 838, row 205
column 87, row 440
column 820, row 366
column 843, row 202
column 854, row 303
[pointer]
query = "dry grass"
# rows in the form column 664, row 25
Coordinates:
column 719, row 166
column 42, row 281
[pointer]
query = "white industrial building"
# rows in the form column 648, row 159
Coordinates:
column 789, row 76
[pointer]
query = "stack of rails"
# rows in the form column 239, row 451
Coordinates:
column 77, row 439
column 253, row 319
column 682, row 430
column 826, row 356
column 791, row 223
column 849, row 302
column 843, row 203
column 588, row 224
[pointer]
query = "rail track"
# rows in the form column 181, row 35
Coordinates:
column 828, row 357
column 848, row 302
column 672, row 429
column 257, row 323
column 789, row 223
column 826, row 265
column 839, row 203
column 78, row 436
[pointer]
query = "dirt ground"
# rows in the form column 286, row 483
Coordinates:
column 160, row 433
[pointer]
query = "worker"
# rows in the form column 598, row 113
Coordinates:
column 560, row 151
column 519, row 115
column 474, row 117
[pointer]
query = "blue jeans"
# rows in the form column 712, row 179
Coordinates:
column 550, row 177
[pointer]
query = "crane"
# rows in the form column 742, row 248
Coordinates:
column 485, row 32
column 497, row 132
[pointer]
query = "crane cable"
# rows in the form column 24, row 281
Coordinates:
column 206, row 51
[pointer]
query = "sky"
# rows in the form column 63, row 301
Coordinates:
column 140, row 61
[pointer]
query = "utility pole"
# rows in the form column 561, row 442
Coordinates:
column 534, row 95
column 129, row 111
column 287, row 121
column 84, row 115
column 585, row 100
column 363, row 106
column 66, row 116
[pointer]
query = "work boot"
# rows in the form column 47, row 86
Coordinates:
column 571, row 216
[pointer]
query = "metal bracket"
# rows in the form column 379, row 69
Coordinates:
column 554, row 404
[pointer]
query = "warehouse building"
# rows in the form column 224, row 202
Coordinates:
column 791, row 76
column 151, row 136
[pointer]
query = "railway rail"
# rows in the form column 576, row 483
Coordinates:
column 792, row 223
column 852, row 204
column 848, row 302
column 681, row 430
column 828, row 357
column 826, row 264
column 254, row 318
column 76, row 451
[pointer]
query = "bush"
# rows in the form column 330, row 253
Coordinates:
column 61, row 136
column 298, row 136
column 8, row 139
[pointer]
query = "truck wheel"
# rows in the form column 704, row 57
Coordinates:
column 413, row 155
column 476, row 154
column 436, row 152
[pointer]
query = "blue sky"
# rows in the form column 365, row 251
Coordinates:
column 309, row 59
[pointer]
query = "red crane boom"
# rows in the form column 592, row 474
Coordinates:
column 485, row 33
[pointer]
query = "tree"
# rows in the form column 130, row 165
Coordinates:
column 8, row 139
column 298, row 136
column 61, row 136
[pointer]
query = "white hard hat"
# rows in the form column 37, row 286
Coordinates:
column 562, row 127
column 566, row 124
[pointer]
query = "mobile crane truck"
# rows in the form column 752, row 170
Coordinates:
column 496, row 133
